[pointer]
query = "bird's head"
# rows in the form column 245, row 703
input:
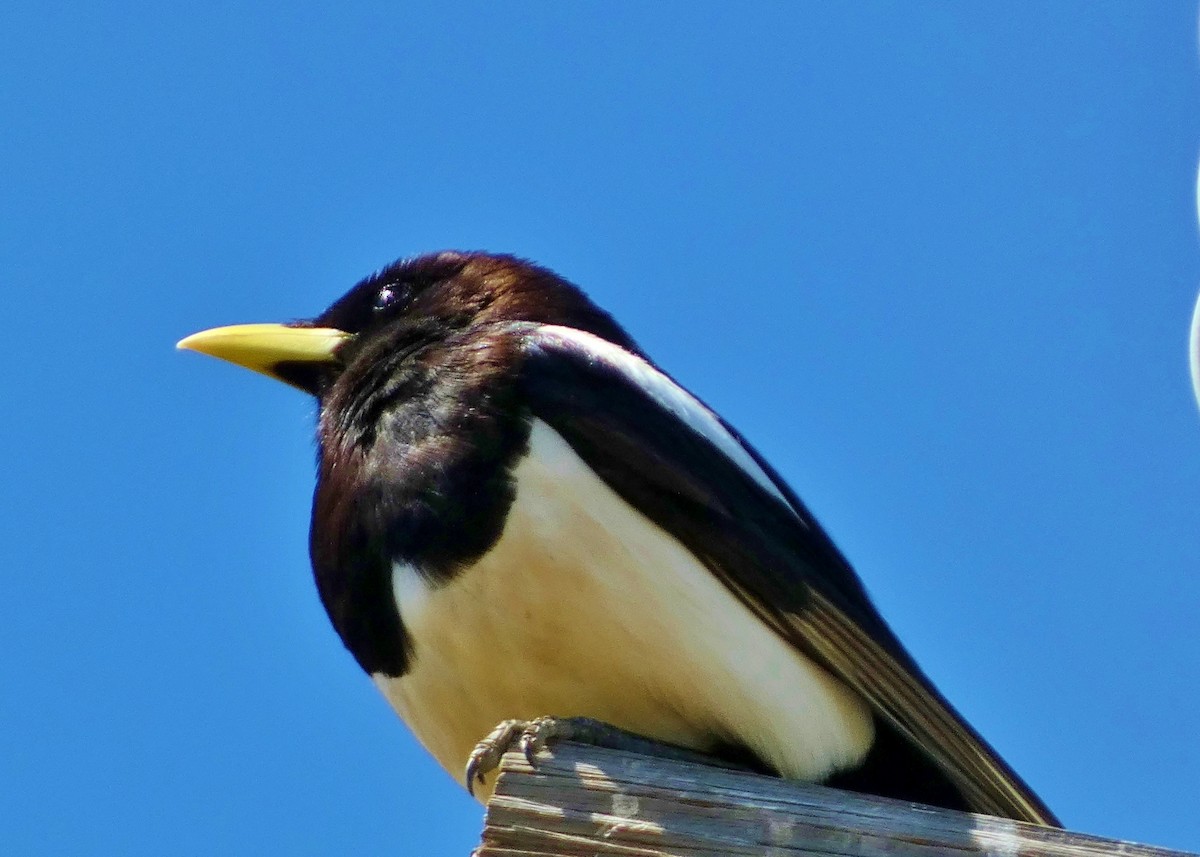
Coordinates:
column 407, row 305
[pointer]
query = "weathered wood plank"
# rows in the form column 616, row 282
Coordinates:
column 588, row 801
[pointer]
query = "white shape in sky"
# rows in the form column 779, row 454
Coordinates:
column 1194, row 344
column 1195, row 351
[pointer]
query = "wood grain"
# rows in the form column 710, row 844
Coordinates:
column 589, row 801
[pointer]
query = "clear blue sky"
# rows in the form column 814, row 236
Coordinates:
column 936, row 260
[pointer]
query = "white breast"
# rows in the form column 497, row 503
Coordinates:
column 584, row 607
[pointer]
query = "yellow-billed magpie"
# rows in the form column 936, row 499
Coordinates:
column 518, row 514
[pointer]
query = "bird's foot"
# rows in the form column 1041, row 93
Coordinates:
column 530, row 736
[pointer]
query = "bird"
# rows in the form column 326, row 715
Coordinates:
column 521, row 519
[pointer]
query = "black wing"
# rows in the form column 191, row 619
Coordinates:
column 668, row 455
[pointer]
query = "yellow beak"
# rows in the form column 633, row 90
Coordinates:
column 264, row 347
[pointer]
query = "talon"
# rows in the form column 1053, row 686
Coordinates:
column 473, row 774
column 527, row 748
column 535, row 735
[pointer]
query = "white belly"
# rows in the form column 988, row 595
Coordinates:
column 586, row 608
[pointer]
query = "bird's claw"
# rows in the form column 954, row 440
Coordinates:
column 536, row 733
column 526, row 736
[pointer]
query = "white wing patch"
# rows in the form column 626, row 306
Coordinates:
column 665, row 392
column 585, row 607
column 410, row 588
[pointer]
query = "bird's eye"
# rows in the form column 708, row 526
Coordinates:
column 386, row 297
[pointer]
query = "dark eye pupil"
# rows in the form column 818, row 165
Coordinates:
column 385, row 298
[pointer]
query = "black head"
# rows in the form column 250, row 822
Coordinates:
column 428, row 299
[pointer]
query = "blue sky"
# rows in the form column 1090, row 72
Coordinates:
column 936, row 260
